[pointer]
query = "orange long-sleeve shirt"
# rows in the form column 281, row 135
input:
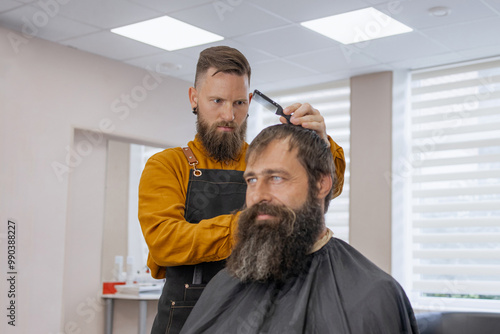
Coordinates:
column 173, row 241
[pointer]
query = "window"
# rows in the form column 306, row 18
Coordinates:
column 455, row 187
column 333, row 101
column 137, row 247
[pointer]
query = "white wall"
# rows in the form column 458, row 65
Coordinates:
column 46, row 92
column 371, row 162
column 378, row 189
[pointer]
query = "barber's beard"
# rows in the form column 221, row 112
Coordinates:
column 222, row 146
column 275, row 249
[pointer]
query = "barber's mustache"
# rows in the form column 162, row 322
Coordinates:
column 231, row 124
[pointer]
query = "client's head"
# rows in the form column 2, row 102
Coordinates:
column 289, row 175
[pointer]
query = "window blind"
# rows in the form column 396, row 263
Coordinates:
column 333, row 101
column 455, row 184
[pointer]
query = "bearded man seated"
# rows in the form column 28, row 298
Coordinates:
column 287, row 273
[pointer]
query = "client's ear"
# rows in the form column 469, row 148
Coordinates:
column 325, row 184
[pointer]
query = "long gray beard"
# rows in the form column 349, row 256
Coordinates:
column 222, row 147
column 277, row 249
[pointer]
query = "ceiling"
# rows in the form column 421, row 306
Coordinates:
column 282, row 53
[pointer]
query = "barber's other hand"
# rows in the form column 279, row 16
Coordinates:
column 308, row 117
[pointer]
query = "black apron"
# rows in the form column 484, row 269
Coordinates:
column 215, row 192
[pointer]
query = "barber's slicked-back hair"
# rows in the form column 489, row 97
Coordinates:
column 224, row 59
column 312, row 152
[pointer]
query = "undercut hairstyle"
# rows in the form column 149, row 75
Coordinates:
column 312, row 152
column 224, row 59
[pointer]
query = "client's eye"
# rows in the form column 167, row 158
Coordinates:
column 251, row 180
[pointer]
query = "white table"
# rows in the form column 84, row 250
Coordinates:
column 143, row 308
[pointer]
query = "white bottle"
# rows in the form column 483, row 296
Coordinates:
column 118, row 268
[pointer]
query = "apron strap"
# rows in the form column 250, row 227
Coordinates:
column 198, row 269
column 191, row 160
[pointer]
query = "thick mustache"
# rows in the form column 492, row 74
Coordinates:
column 280, row 211
column 265, row 208
column 231, row 124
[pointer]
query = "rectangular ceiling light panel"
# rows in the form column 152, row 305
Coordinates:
column 167, row 33
column 357, row 26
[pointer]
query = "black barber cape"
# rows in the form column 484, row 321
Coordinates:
column 342, row 292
